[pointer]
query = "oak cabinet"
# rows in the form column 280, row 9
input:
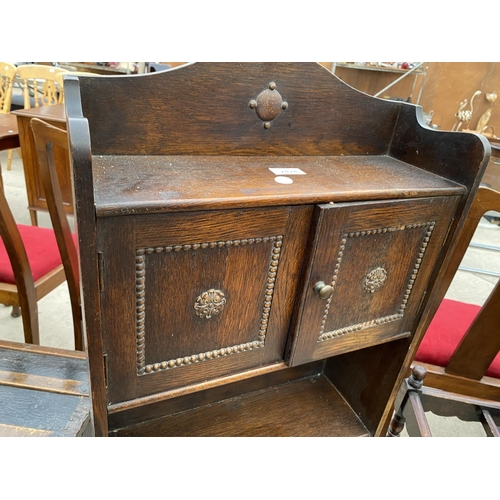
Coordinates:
column 260, row 248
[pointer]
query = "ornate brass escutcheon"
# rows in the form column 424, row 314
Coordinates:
column 268, row 105
column 375, row 279
column 209, row 303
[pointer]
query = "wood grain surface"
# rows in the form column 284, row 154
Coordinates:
column 147, row 184
column 309, row 407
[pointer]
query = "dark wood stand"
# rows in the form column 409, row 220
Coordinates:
column 261, row 247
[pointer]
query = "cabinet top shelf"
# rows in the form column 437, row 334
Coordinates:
column 154, row 184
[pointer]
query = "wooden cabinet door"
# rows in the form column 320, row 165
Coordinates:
column 367, row 272
column 195, row 296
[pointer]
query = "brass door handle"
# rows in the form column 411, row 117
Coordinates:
column 324, row 291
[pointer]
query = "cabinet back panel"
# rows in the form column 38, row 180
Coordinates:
column 208, row 110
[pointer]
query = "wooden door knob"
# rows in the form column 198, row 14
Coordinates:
column 323, row 291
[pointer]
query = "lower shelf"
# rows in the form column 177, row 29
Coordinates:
column 309, row 407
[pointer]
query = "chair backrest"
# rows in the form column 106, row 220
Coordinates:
column 7, row 75
column 60, row 80
column 46, row 137
column 481, row 343
column 23, row 276
column 40, row 87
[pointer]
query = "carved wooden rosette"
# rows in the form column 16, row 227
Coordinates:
column 374, row 280
column 208, row 304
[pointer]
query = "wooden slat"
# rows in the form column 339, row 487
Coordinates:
column 487, row 388
column 461, row 398
column 38, row 349
column 40, row 383
column 43, row 365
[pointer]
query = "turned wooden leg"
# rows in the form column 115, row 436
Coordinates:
column 16, row 312
column 396, row 426
column 408, row 406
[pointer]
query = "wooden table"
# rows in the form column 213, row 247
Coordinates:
column 55, row 115
column 9, row 136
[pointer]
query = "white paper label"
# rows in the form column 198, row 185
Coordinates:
column 287, row 171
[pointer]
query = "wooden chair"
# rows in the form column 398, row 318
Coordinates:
column 40, row 87
column 30, row 268
column 459, row 355
column 7, row 75
column 46, row 137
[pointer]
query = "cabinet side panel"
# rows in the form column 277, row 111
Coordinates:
column 118, row 300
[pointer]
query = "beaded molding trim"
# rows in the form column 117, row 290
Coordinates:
column 140, row 287
column 386, row 319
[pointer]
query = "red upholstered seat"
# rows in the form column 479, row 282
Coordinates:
column 41, row 249
column 445, row 332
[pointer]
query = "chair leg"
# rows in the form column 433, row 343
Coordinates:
column 29, row 311
column 397, row 424
column 408, row 407
column 16, row 312
column 9, row 159
column 10, row 155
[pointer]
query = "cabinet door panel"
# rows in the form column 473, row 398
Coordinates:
column 210, row 291
column 375, row 260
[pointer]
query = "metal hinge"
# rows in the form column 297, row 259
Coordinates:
column 105, row 358
column 100, row 266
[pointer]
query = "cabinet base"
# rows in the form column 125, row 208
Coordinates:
column 309, row 407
